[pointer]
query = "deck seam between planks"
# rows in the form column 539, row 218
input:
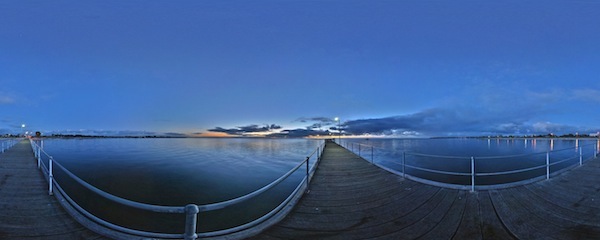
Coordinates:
column 426, row 211
column 32, row 213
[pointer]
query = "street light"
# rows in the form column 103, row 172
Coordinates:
column 337, row 119
column 23, row 129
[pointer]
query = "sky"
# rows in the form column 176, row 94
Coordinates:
column 287, row 68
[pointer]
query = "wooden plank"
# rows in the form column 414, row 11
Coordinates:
column 575, row 212
column 434, row 214
column 491, row 225
column 451, row 220
column 521, row 222
column 573, row 204
column 26, row 209
column 343, row 204
column 469, row 226
column 567, row 228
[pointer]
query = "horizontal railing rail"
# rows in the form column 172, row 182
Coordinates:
column 191, row 211
column 7, row 143
column 360, row 149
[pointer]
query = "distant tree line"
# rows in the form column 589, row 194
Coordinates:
column 97, row 136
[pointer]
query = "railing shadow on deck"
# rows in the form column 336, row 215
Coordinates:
column 553, row 162
column 190, row 212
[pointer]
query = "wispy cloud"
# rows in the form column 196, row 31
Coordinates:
column 590, row 95
column 297, row 133
column 438, row 122
column 6, row 99
column 316, row 122
column 484, row 108
column 323, row 120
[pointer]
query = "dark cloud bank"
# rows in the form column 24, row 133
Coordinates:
column 427, row 123
column 246, row 130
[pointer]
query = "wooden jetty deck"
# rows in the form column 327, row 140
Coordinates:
column 26, row 209
column 351, row 199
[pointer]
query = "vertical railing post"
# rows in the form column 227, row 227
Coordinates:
column 307, row 170
column 359, row 150
column 547, row 165
column 50, row 177
column 191, row 219
column 595, row 151
column 472, row 174
column 39, row 156
column 580, row 156
column 318, row 153
column 403, row 164
column 372, row 160
column 3, row 146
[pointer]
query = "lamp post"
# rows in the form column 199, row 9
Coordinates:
column 337, row 119
column 23, row 129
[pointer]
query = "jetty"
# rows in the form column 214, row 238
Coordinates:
column 27, row 211
column 348, row 198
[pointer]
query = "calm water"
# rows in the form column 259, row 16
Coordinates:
column 491, row 155
column 175, row 172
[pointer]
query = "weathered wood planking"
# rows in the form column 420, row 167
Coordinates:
column 26, row 209
column 351, row 199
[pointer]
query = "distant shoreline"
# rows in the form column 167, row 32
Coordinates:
column 563, row 137
column 523, row 137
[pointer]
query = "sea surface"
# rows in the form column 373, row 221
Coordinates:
column 176, row 172
column 490, row 155
column 179, row 171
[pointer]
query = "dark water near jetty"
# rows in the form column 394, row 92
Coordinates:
column 491, row 156
column 176, row 172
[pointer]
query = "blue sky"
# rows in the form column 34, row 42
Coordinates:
column 394, row 68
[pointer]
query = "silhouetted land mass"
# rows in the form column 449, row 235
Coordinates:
column 96, row 136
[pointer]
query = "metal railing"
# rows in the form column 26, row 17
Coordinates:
column 191, row 211
column 365, row 151
column 7, row 143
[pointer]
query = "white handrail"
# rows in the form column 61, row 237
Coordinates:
column 191, row 209
column 473, row 172
column 7, row 143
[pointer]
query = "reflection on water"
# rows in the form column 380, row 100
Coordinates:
column 491, row 156
column 176, row 172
